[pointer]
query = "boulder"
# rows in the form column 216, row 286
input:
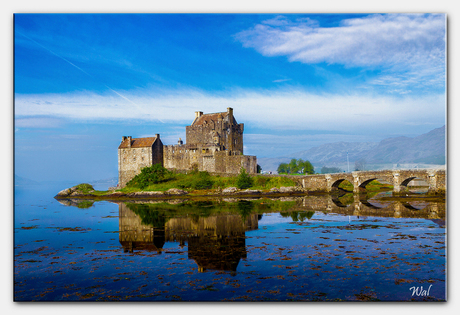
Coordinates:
column 65, row 192
column 176, row 191
column 274, row 190
column 290, row 189
column 148, row 193
column 229, row 190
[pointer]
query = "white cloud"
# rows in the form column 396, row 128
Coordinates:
column 410, row 48
column 37, row 122
column 284, row 109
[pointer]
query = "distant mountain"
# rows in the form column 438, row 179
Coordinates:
column 337, row 152
column 110, row 181
column 428, row 148
column 21, row 181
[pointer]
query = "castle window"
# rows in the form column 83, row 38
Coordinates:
column 134, row 159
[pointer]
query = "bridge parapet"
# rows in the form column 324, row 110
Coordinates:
column 436, row 179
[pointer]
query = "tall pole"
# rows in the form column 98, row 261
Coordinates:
column 348, row 163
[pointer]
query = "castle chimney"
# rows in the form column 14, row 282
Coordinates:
column 157, row 136
column 230, row 146
column 180, row 141
column 198, row 114
column 129, row 138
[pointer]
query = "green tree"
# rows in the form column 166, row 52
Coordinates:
column 283, row 168
column 306, row 167
column 293, row 166
column 259, row 169
column 296, row 167
column 244, row 180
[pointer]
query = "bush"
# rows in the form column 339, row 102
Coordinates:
column 261, row 181
column 149, row 175
column 244, row 180
column 202, row 181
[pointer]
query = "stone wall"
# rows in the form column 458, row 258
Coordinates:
column 179, row 157
column 132, row 160
column 398, row 178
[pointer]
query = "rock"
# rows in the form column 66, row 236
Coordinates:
column 229, row 190
column 65, row 192
column 274, row 190
column 176, row 191
column 148, row 193
column 289, row 189
column 251, row 192
column 117, row 194
column 77, row 194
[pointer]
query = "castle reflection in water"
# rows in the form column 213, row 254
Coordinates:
column 217, row 241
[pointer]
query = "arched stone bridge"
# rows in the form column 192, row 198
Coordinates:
column 436, row 179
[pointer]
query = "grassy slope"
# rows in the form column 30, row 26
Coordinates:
column 187, row 182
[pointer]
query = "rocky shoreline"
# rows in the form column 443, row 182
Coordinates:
column 75, row 193
column 229, row 192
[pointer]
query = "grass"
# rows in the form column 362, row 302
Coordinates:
column 203, row 182
column 84, row 188
column 200, row 181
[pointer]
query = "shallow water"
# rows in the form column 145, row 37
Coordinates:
column 290, row 249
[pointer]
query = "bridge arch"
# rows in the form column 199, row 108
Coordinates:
column 424, row 182
column 364, row 184
column 337, row 183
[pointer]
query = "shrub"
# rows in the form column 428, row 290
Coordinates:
column 244, row 180
column 261, row 181
column 202, row 180
column 149, row 175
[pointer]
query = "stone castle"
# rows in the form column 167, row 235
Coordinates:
column 214, row 143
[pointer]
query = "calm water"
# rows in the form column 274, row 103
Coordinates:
column 298, row 249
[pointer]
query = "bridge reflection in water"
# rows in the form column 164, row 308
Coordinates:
column 217, row 241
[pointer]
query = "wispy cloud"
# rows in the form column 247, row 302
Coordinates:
column 38, row 122
column 408, row 48
column 283, row 109
column 281, row 80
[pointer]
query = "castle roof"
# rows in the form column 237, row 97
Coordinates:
column 137, row 142
column 208, row 117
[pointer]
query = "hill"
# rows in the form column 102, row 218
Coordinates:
column 427, row 148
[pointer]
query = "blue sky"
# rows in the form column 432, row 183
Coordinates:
column 296, row 81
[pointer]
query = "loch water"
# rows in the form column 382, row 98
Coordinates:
column 312, row 248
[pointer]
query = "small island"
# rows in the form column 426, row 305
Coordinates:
column 212, row 163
